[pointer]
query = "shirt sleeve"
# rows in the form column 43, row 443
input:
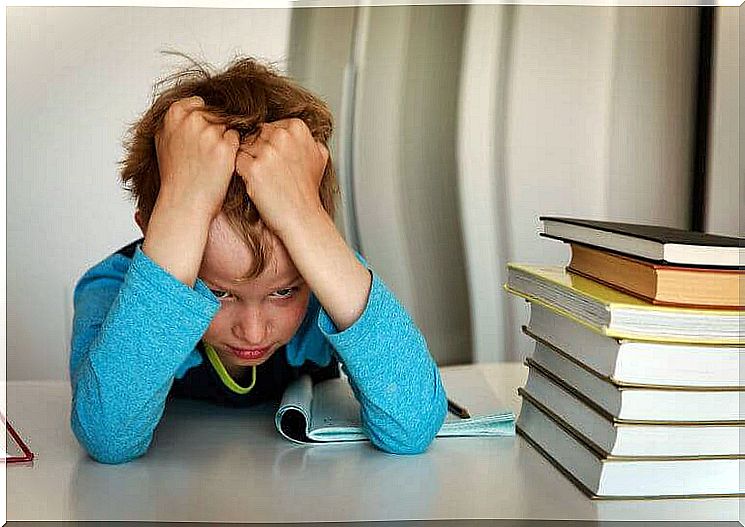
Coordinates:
column 133, row 329
column 392, row 373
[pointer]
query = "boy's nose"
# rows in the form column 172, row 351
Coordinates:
column 251, row 328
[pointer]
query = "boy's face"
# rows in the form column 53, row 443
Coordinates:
column 259, row 315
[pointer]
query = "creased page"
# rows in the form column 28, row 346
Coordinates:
column 490, row 416
column 293, row 415
column 336, row 412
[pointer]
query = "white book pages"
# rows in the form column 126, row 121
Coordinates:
column 628, row 478
column 631, row 440
column 639, row 362
column 641, row 404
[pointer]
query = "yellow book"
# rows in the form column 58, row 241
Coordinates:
column 616, row 314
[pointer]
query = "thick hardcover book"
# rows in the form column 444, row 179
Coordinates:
column 650, row 242
column 635, row 405
column 637, row 362
column 619, row 437
column 662, row 284
column 327, row 412
column 616, row 438
column 617, row 314
column 609, row 477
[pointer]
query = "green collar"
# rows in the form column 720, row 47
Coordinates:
column 224, row 375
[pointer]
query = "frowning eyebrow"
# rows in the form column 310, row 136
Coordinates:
column 296, row 279
column 286, row 283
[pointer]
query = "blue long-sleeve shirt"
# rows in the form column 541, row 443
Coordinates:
column 136, row 331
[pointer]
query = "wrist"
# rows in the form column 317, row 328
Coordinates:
column 310, row 219
column 175, row 239
column 330, row 268
column 186, row 205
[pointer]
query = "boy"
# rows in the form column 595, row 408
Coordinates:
column 241, row 282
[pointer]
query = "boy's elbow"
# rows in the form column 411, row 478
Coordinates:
column 410, row 446
column 107, row 446
column 405, row 443
column 110, row 456
column 416, row 435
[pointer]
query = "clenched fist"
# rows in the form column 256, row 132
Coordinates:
column 196, row 158
column 282, row 167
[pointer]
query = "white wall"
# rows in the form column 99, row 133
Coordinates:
column 76, row 78
column 592, row 116
column 404, row 161
column 726, row 191
column 557, row 126
column 405, row 168
column 599, row 125
column 653, row 108
column 481, row 173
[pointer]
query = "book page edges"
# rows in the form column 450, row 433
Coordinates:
column 623, row 384
column 612, row 332
column 293, row 415
column 587, row 401
column 664, row 297
column 594, row 496
column 611, row 298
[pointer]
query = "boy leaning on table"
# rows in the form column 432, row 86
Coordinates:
column 241, row 282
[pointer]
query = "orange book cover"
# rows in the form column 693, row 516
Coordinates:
column 661, row 284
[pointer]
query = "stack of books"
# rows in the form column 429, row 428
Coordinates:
column 634, row 387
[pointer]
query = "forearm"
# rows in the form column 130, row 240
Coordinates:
column 385, row 355
column 394, row 377
column 196, row 160
column 109, row 431
column 330, row 268
column 125, row 355
column 176, row 236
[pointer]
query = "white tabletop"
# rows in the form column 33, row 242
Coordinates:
column 213, row 464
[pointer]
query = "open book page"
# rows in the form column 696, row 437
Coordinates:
column 293, row 415
column 329, row 412
column 335, row 412
column 470, row 389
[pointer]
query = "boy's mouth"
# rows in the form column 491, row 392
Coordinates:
column 249, row 353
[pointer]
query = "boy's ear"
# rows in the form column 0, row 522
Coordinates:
column 140, row 223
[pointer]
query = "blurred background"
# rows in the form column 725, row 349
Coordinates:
column 456, row 127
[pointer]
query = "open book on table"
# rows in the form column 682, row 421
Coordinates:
column 328, row 412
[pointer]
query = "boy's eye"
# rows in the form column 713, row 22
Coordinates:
column 287, row 292
column 220, row 295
